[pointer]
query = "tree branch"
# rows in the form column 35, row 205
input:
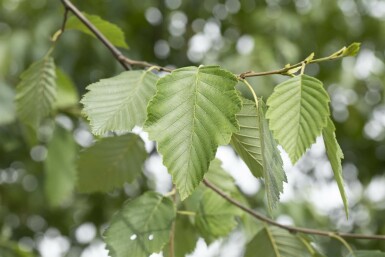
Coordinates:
column 291, row 229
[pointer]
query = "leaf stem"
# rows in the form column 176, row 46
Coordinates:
column 252, row 91
column 187, row 213
column 339, row 238
column 172, row 232
column 291, row 229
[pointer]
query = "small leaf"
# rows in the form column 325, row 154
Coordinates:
column 141, row 227
column 352, row 49
column 275, row 242
column 67, row 94
column 111, row 31
column 215, row 216
column 7, row 105
column 220, row 178
column 110, row 162
column 298, row 111
column 366, row 254
column 59, row 166
column 191, row 114
column 335, row 155
column 36, row 92
column 119, row 103
column 309, row 58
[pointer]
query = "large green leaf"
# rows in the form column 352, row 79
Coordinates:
column 67, row 94
column 7, row 106
column 185, row 237
column 247, row 141
column 335, row 155
column 191, row 114
column 36, row 92
column 257, row 147
column 273, row 172
column 141, row 227
column 298, row 111
column 275, row 242
column 119, row 103
column 215, row 216
column 367, row 254
column 110, row 162
column 111, row 31
column 59, row 166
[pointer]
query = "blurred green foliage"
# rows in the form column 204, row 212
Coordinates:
column 239, row 35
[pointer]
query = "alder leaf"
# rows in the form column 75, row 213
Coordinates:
column 110, row 162
column 215, row 216
column 59, row 167
column 298, row 111
column 141, row 227
column 36, row 92
column 275, row 242
column 111, row 31
column 67, row 94
column 335, row 155
column 119, row 103
column 247, row 141
column 272, row 163
column 257, row 147
column 191, row 114
column 7, row 105
column 185, row 237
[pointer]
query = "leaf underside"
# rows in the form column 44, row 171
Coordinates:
column 111, row 31
column 119, row 103
column 36, row 92
column 298, row 111
column 67, row 94
column 255, row 144
column 335, row 155
column 141, row 227
column 110, row 162
column 191, row 114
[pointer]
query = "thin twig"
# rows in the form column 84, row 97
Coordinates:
column 291, row 229
column 117, row 54
column 124, row 61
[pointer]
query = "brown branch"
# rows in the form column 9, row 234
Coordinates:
column 291, row 229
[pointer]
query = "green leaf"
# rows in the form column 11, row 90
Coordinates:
column 220, row 178
column 275, row 242
column 298, row 111
column 59, row 166
column 215, row 216
column 36, row 92
column 352, row 49
column 255, row 144
column 110, row 162
column 119, row 103
column 185, row 237
column 191, row 114
column 247, row 141
column 367, row 254
column 274, row 175
column 141, row 227
column 7, row 106
column 335, row 155
column 111, row 31
column 67, row 94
